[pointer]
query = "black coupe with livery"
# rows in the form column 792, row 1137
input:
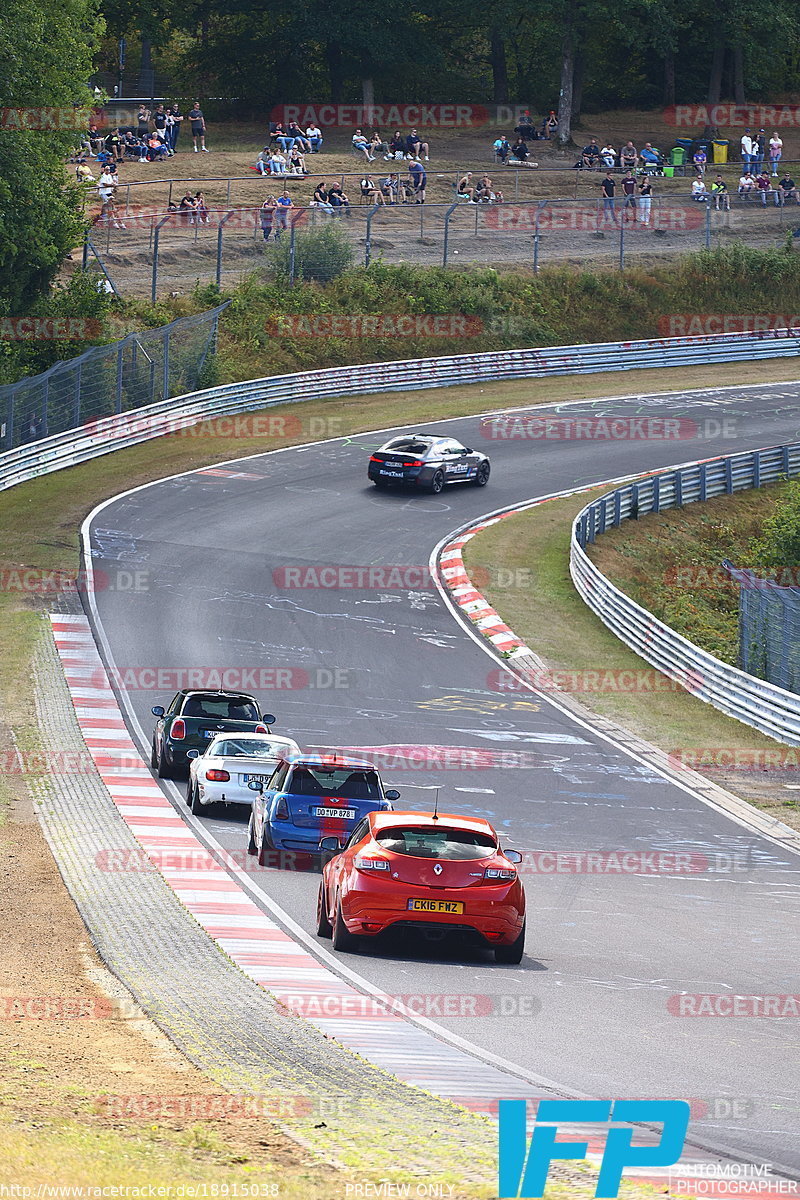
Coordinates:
column 426, row 461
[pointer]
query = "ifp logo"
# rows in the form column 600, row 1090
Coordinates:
column 523, row 1169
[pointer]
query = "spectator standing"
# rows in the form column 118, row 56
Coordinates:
column 747, row 149
column 314, row 137
column 174, row 122
column 645, row 200
column 759, row 151
column 143, row 121
column 267, row 216
column 775, row 152
column 284, row 202
column 198, row 122
column 419, row 180
column 719, row 190
column 106, row 187
column 609, row 186
column 629, row 192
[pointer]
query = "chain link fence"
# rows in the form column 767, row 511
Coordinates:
column 769, row 628
column 149, row 252
column 141, row 369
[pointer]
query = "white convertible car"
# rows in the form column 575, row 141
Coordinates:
column 224, row 770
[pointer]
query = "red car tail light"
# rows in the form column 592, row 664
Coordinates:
column 261, row 729
column 217, row 776
column 281, row 809
column 499, row 875
column 374, row 458
column 178, row 731
column 371, row 864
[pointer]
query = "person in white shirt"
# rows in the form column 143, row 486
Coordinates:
column 747, row 149
column 314, row 135
column 277, row 163
column 775, row 152
column 361, row 143
column 608, row 156
column 106, row 187
column 747, row 185
column 699, row 191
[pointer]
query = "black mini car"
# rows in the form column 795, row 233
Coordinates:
column 426, row 461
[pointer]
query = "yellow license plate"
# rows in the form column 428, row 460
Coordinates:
column 437, row 906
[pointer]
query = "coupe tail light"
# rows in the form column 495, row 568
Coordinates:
column 417, row 462
column 178, row 731
column 374, row 458
column 261, row 729
column 217, row 776
column 499, row 875
column 372, row 864
column 281, row 809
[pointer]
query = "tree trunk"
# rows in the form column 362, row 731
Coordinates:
column 717, row 64
column 577, row 87
column 146, row 86
column 738, row 75
column 368, row 100
column 499, row 67
column 564, row 132
column 333, row 60
column 669, row 79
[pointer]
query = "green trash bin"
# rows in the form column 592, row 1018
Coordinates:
column 720, row 151
column 677, row 156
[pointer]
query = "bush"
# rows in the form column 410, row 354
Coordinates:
column 319, row 254
column 779, row 544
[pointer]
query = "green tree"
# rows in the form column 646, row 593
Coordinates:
column 45, row 60
column 779, row 544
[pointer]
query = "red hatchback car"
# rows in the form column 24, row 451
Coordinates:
column 437, row 874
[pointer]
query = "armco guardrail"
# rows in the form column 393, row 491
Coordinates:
column 128, row 429
column 762, row 705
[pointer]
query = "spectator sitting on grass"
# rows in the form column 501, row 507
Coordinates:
column 83, row 173
column 699, row 190
column 277, row 162
column 549, row 125
column 390, row 188
column 338, row 200
column 628, row 157
column 608, row 156
column 314, row 138
column 377, row 145
column 294, row 131
column 502, row 148
column 485, row 193
column 786, row 190
column 519, row 150
column 321, row 198
column 397, row 145
column 764, row 186
column 262, row 162
column 719, row 190
column 361, row 143
column 590, row 155
column 297, row 163
column 747, row 185
column 464, row 188
column 203, row 217
column 415, row 146
column 188, row 206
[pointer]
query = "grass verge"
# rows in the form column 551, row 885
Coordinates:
column 574, row 640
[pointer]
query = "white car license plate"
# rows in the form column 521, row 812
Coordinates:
column 210, row 733
column 254, row 778
column 341, row 814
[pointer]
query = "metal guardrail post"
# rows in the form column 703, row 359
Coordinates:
column 539, row 209
column 708, row 224
column 447, row 216
column 220, row 225
column 85, row 255
column 156, row 236
column 118, row 400
column 165, row 380
column 8, row 440
column 621, row 241
column 45, row 428
column 76, row 404
column 368, row 235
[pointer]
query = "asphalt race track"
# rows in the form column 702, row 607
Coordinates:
column 588, row 1006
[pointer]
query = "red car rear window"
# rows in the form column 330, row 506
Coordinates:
column 427, row 842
